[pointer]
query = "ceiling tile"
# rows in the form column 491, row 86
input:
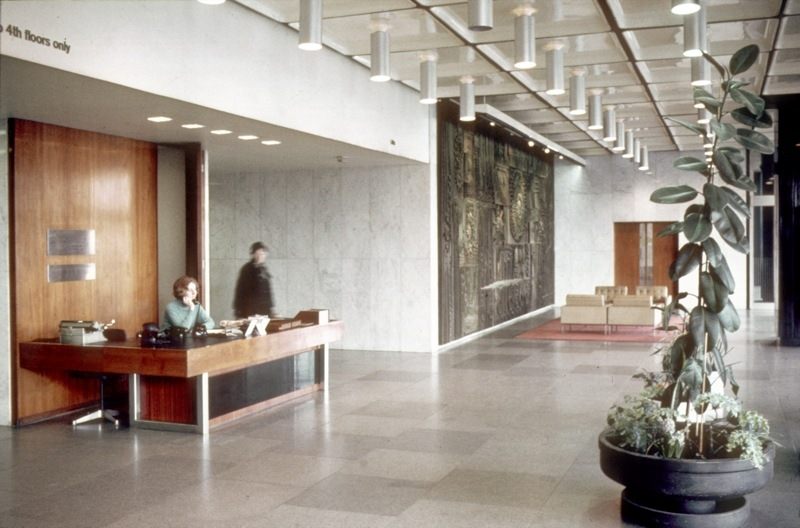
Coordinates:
column 782, row 84
column 655, row 13
column 789, row 36
column 409, row 30
column 451, row 62
column 568, row 136
column 573, row 145
column 552, row 19
column 485, row 85
column 289, row 10
column 724, row 39
column 581, row 50
column 590, row 152
column 681, row 131
column 515, row 102
column 555, row 127
column 786, row 62
column 531, row 117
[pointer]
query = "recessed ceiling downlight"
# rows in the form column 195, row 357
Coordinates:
column 221, row 132
column 685, row 7
column 248, row 137
column 193, row 125
column 159, row 119
column 270, row 142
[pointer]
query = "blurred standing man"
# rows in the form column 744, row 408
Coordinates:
column 253, row 295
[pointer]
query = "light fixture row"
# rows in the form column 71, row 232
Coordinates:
column 480, row 18
column 217, row 131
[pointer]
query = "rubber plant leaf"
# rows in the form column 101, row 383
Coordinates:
column 671, row 195
column 743, row 59
column 687, row 260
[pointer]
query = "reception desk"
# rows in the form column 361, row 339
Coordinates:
column 202, row 383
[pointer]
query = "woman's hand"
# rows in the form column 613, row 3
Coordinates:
column 188, row 300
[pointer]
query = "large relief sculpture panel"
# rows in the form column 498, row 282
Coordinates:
column 495, row 229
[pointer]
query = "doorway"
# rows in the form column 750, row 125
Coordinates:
column 641, row 257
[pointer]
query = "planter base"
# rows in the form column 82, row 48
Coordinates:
column 731, row 513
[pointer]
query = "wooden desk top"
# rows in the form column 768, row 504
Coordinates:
column 214, row 355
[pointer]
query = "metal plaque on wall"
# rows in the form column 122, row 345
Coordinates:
column 71, row 272
column 70, row 242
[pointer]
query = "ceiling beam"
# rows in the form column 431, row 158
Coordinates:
column 617, row 30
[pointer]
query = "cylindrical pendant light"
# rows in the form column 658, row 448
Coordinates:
column 310, row 37
column 685, row 7
column 524, row 38
column 480, row 15
column 555, row 68
column 577, row 92
column 694, row 34
column 701, row 71
column 637, row 151
column 595, row 112
column 427, row 79
column 628, row 145
column 211, row 2
column 644, row 159
column 609, row 125
column 619, row 146
column 379, row 56
column 467, row 99
column 703, row 116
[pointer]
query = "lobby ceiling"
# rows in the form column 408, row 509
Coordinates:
column 630, row 50
column 40, row 93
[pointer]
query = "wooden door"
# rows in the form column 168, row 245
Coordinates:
column 641, row 257
column 626, row 255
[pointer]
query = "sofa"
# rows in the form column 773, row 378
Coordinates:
column 660, row 294
column 585, row 310
column 610, row 292
column 633, row 310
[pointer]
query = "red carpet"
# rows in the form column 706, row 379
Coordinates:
column 551, row 331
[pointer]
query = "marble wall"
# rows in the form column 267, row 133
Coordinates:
column 171, row 222
column 5, row 300
column 353, row 240
column 588, row 200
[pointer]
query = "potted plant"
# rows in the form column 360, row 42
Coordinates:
column 685, row 448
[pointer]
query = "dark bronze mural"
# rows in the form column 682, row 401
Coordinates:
column 495, row 229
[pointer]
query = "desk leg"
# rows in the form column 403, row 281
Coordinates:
column 202, row 403
column 134, row 399
column 321, row 370
column 201, row 408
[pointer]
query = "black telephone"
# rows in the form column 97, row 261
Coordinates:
column 151, row 336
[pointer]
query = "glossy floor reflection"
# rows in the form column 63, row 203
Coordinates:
column 495, row 433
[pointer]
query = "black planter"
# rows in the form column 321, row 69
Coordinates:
column 683, row 493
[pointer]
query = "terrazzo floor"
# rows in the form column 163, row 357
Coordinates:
column 495, row 433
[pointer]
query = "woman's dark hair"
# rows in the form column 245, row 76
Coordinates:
column 181, row 286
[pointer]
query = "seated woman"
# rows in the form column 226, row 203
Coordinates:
column 185, row 311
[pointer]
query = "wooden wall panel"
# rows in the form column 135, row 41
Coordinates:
column 626, row 255
column 64, row 178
